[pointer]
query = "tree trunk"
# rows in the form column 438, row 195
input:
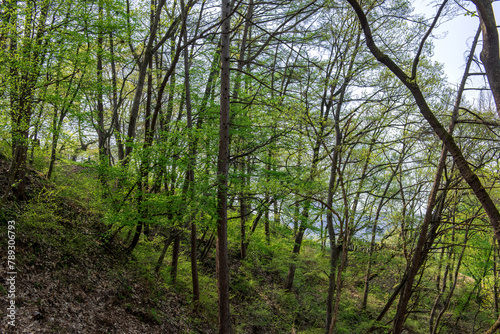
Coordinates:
column 222, row 264
column 296, row 248
column 175, row 257
column 101, row 133
column 490, row 51
column 243, row 214
column 453, row 283
column 338, row 284
column 135, row 240
column 383, row 200
column 331, row 313
column 494, row 328
column 334, row 251
column 266, row 220
column 194, row 264
column 495, row 278
column 166, row 244
column 116, row 120
column 191, row 162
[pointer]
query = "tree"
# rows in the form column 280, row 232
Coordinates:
column 150, row 47
column 23, row 53
column 410, row 81
column 222, row 264
column 491, row 49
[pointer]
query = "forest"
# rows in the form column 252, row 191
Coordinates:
column 247, row 166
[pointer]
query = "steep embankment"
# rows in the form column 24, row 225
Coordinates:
column 70, row 281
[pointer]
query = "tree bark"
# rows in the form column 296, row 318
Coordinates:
column 222, row 261
column 175, row 257
column 116, row 120
column 191, row 162
column 243, row 213
column 490, row 52
column 334, row 251
column 296, row 248
column 166, row 244
column 101, row 133
column 495, row 278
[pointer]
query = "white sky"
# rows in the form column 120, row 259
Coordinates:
column 455, row 37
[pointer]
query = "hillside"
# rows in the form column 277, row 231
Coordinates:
column 72, row 279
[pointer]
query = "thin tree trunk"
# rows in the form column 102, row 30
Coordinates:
column 116, row 120
column 331, row 311
column 334, row 251
column 100, row 95
column 494, row 328
column 296, row 248
column 243, row 213
column 143, row 66
column 222, row 261
column 149, row 131
column 175, row 258
column 235, row 96
column 266, row 220
column 191, row 163
column 166, row 244
column 55, row 137
column 194, row 264
column 208, row 245
column 276, row 214
column 490, row 51
column 453, row 283
column 305, row 209
column 439, row 288
column 418, row 251
column 338, row 284
column 383, row 200
column 254, row 226
column 495, row 279
column 150, row 128
column 135, row 240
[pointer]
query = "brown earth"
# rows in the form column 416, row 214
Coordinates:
column 70, row 281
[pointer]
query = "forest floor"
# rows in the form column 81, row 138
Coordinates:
column 69, row 281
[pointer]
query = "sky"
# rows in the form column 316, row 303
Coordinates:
column 454, row 38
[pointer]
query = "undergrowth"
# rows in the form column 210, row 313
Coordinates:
column 65, row 230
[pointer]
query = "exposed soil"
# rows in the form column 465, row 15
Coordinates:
column 88, row 287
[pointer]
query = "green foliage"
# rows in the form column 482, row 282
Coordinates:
column 308, row 95
column 41, row 214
